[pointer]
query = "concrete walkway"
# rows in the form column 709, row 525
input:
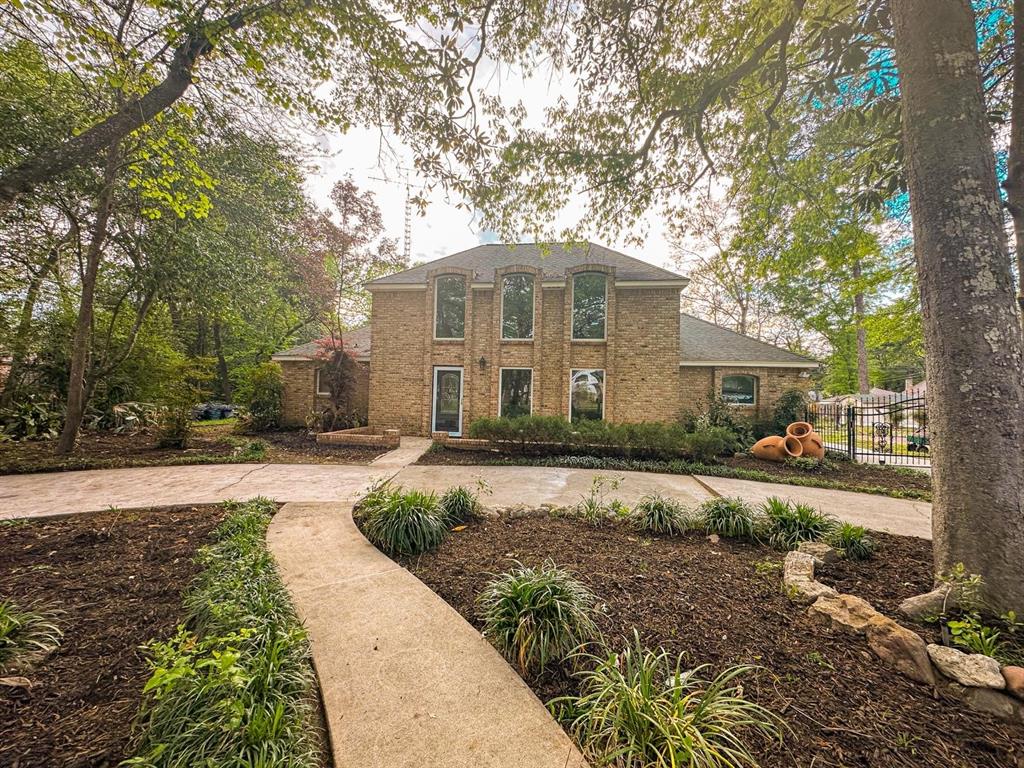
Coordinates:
column 406, row 681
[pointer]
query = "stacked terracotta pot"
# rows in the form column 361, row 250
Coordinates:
column 800, row 440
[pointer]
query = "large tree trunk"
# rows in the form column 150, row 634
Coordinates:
column 1014, row 184
column 83, row 326
column 973, row 345
column 222, row 364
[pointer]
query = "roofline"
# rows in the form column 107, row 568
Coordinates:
column 301, row 358
column 678, row 282
column 747, row 364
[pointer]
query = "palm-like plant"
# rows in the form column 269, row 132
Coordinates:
column 537, row 616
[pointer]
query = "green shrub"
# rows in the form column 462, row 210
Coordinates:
column 595, row 507
column 968, row 631
column 707, row 444
column 235, row 685
column 182, row 393
column 853, row 541
column 657, row 514
column 26, row 634
column 832, row 455
column 787, row 524
column 791, row 406
column 537, row 616
column 459, row 504
column 405, row 522
column 31, row 418
column 809, row 464
column 265, row 391
column 728, row 517
column 642, row 709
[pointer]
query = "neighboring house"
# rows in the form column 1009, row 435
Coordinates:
column 582, row 332
column 304, row 392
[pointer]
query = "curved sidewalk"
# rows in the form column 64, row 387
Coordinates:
column 406, row 681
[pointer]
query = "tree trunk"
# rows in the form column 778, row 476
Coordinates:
column 863, row 379
column 222, row 364
column 83, row 326
column 973, row 345
column 1014, row 184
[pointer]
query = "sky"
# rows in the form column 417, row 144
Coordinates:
column 446, row 229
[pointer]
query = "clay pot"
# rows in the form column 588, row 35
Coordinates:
column 777, row 448
column 813, row 446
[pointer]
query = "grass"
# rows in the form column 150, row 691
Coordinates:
column 459, row 505
column 234, row 686
column 786, row 524
column 640, row 708
column 401, row 522
column 537, row 616
column 681, row 467
column 852, row 540
column 728, row 517
column 658, row 514
column 27, row 634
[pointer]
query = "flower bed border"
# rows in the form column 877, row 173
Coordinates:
column 361, row 436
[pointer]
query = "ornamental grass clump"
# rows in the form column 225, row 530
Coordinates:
column 235, row 685
column 657, row 514
column 404, row 522
column 853, row 541
column 537, row 616
column 459, row 504
column 728, row 517
column 640, row 708
column 27, row 634
column 787, row 524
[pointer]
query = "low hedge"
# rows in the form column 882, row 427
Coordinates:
column 551, row 435
column 235, row 685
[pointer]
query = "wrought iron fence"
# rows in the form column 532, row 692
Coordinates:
column 892, row 430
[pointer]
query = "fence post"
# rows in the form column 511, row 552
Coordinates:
column 851, row 432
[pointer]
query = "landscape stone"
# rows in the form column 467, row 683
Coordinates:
column 993, row 703
column 798, row 578
column 927, row 605
column 969, row 669
column 846, row 612
column 901, row 649
column 819, row 550
column 1014, row 677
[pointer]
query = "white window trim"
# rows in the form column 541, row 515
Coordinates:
column 501, row 375
column 533, row 308
column 433, row 320
column 316, row 385
column 604, row 387
column 757, row 390
column 572, row 313
column 462, row 394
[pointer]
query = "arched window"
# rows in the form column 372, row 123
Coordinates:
column 517, row 306
column 739, row 389
column 450, row 307
column 589, row 305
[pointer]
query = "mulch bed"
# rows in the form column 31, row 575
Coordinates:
column 721, row 604
column 117, row 577
column 103, row 450
column 845, row 474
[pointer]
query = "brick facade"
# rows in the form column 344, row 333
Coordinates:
column 640, row 352
column 698, row 383
column 300, row 399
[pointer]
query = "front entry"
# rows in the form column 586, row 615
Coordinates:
column 447, row 410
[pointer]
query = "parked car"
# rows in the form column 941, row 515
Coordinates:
column 213, row 411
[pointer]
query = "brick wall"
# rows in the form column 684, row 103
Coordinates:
column 299, row 396
column 697, row 384
column 639, row 355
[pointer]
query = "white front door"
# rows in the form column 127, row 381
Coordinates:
column 447, row 409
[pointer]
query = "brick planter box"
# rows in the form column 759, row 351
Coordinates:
column 361, row 436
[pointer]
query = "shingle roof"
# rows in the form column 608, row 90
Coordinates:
column 701, row 341
column 551, row 258
column 356, row 341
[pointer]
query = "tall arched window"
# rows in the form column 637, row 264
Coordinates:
column 450, row 307
column 517, row 306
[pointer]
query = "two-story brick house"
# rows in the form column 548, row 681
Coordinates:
column 581, row 332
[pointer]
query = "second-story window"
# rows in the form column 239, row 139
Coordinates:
column 589, row 305
column 517, row 306
column 450, row 307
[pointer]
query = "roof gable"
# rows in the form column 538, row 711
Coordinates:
column 552, row 259
column 356, row 342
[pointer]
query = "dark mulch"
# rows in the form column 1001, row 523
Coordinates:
column 844, row 475
column 210, row 443
column 710, row 603
column 118, row 577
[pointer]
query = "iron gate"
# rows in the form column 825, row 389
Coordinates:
column 892, row 430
